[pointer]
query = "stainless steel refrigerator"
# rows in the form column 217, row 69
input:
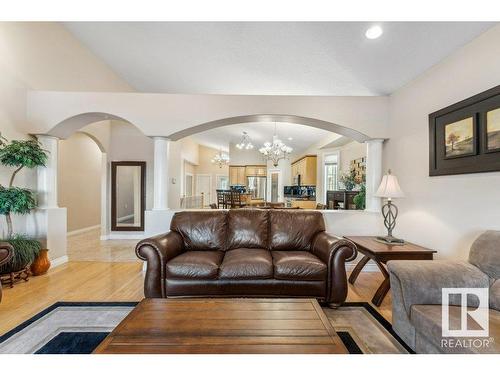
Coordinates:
column 257, row 187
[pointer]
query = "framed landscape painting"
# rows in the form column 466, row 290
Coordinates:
column 493, row 130
column 460, row 138
column 465, row 137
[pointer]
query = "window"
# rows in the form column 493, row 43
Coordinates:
column 331, row 162
column 331, row 175
column 223, row 182
column 188, row 185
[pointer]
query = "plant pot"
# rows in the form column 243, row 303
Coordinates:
column 41, row 264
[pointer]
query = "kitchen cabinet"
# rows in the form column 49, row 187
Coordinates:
column 237, row 175
column 256, row 170
column 306, row 168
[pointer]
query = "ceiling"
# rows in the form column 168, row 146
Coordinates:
column 272, row 58
column 302, row 136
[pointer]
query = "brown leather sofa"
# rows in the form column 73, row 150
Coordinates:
column 6, row 254
column 247, row 253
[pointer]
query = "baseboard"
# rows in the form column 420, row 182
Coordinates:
column 58, row 261
column 370, row 267
column 83, row 230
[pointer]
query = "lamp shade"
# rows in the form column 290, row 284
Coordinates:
column 389, row 187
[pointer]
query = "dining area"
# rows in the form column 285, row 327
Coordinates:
column 233, row 199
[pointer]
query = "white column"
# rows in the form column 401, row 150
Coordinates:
column 49, row 220
column 47, row 176
column 161, row 147
column 373, row 173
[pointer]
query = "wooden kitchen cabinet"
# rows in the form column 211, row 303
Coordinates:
column 237, row 175
column 306, row 167
column 256, row 170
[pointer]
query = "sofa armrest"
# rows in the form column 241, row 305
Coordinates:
column 6, row 252
column 334, row 252
column 420, row 282
column 157, row 251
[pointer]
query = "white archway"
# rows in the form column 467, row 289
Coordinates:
column 293, row 119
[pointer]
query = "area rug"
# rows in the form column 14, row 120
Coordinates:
column 79, row 327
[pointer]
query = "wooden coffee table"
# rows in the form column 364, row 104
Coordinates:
column 224, row 326
column 381, row 253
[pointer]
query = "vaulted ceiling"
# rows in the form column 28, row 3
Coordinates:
column 288, row 58
column 297, row 136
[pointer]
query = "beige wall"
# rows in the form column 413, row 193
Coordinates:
column 42, row 56
column 351, row 151
column 445, row 213
column 79, row 181
column 45, row 56
column 129, row 144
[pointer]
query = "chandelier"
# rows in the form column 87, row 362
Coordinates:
column 221, row 159
column 245, row 142
column 276, row 150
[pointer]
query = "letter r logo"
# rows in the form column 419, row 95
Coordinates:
column 466, row 321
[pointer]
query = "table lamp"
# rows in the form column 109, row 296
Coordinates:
column 389, row 188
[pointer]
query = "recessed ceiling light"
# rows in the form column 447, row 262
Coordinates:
column 290, row 138
column 374, row 32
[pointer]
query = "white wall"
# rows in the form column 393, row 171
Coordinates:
column 245, row 157
column 171, row 115
column 445, row 213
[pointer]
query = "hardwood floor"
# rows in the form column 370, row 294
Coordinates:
column 102, row 278
column 110, row 281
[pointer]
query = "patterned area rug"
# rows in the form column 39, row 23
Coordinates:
column 79, row 327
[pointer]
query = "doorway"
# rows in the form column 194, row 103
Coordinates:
column 204, row 188
column 188, row 185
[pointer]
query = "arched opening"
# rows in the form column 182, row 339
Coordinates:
column 86, row 150
column 291, row 119
column 80, row 175
column 330, row 150
column 67, row 127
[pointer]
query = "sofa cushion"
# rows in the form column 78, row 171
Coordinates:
column 495, row 295
column 247, row 228
column 195, row 265
column 485, row 253
column 427, row 322
column 294, row 230
column 201, row 230
column 298, row 265
column 247, row 263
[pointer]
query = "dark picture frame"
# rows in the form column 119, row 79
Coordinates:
column 489, row 137
column 470, row 147
column 472, row 155
column 114, row 223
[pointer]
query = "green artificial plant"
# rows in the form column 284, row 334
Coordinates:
column 360, row 199
column 25, row 251
column 18, row 155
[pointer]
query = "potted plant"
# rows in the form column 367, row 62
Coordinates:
column 20, row 201
column 360, row 199
column 348, row 179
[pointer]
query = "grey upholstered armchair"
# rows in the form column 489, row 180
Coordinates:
column 6, row 253
column 416, row 295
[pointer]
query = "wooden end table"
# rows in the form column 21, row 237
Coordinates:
column 217, row 326
column 381, row 253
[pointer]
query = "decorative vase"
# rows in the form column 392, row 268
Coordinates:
column 41, row 264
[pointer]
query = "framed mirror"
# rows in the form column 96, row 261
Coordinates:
column 128, row 195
